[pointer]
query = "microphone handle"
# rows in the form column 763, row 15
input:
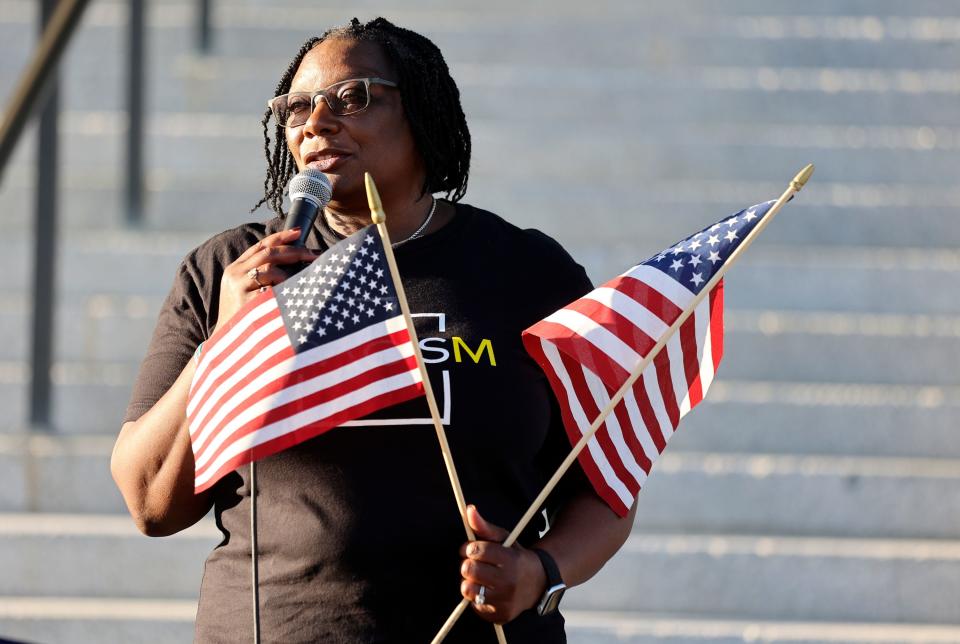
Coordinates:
column 303, row 212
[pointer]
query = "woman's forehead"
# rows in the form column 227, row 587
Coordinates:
column 337, row 59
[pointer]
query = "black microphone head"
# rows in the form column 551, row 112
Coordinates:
column 312, row 185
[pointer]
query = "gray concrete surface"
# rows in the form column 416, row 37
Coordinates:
column 814, row 497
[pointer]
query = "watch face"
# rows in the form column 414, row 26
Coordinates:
column 551, row 599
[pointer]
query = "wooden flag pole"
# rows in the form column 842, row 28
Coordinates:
column 798, row 182
column 379, row 218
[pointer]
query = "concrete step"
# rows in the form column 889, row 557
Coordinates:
column 654, row 221
column 770, row 276
column 90, row 340
column 728, row 577
column 839, row 37
column 607, row 627
column 816, row 278
column 53, row 620
column 693, row 491
column 800, row 417
column 802, row 495
column 823, row 418
column 57, row 555
column 83, row 620
column 179, row 149
column 780, row 578
column 40, row 473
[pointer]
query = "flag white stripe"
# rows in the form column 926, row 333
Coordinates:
column 583, row 424
column 210, row 425
column 640, row 428
column 304, row 418
column 295, row 391
column 221, row 344
column 639, row 315
column 651, row 383
column 241, row 372
column 601, row 399
column 599, row 336
column 663, row 283
column 705, row 350
column 678, row 375
column 335, row 347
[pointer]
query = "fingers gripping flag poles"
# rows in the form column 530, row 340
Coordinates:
column 596, row 352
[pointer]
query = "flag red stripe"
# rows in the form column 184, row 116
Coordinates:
column 311, row 431
column 214, row 355
column 600, row 485
column 648, row 415
column 661, row 363
column 307, row 402
column 630, row 438
column 586, row 353
column 716, row 324
column 305, row 372
column 646, row 295
column 621, row 326
column 587, row 402
column 255, row 353
column 691, row 363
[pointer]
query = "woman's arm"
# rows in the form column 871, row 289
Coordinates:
column 152, row 464
column 585, row 534
column 152, row 461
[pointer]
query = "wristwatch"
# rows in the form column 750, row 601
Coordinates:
column 555, row 586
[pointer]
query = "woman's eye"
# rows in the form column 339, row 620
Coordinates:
column 298, row 104
column 353, row 97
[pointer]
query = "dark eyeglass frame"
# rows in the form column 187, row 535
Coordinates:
column 325, row 94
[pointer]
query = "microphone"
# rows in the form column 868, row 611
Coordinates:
column 310, row 191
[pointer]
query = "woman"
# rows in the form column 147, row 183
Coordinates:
column 359, row 536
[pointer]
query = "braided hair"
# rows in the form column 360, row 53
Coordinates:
column 431, row 104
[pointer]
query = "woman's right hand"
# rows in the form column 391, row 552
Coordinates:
column 259, row 266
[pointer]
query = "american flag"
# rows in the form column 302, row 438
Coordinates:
column 326, row 346
column 589, row 348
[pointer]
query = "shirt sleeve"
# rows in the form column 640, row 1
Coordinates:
column 571, row 282
column 181, row 325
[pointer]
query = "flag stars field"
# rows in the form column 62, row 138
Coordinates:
column 687, row 261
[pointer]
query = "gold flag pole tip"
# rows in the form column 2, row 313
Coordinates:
column 373, row 200
column 802, row 177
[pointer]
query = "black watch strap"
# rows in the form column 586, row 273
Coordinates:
column 549, row 567
column 555, row 587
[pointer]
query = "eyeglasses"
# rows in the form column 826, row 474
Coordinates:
column 346, row 97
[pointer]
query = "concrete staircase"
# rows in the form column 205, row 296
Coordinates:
column 815, row 496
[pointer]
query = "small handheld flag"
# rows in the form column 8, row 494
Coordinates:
column 328, row 345
column 589, row 348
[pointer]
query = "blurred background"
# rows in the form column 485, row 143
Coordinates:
column 814, row 497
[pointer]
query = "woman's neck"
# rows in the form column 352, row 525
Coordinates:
column 404, row 217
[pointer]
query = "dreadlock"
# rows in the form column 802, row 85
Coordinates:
column 431, row 104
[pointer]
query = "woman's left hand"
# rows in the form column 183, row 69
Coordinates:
column 513, row 578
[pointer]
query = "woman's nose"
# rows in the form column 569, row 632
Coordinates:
column 322, row 119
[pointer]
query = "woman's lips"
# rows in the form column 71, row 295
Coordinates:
column 327, row 162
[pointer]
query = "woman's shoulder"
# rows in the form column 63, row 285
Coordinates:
column 533, row 248
column 525, row 256
column 532, row 244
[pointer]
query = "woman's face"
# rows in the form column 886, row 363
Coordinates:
column 376, row 140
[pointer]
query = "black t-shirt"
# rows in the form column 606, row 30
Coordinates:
column 358, row 528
